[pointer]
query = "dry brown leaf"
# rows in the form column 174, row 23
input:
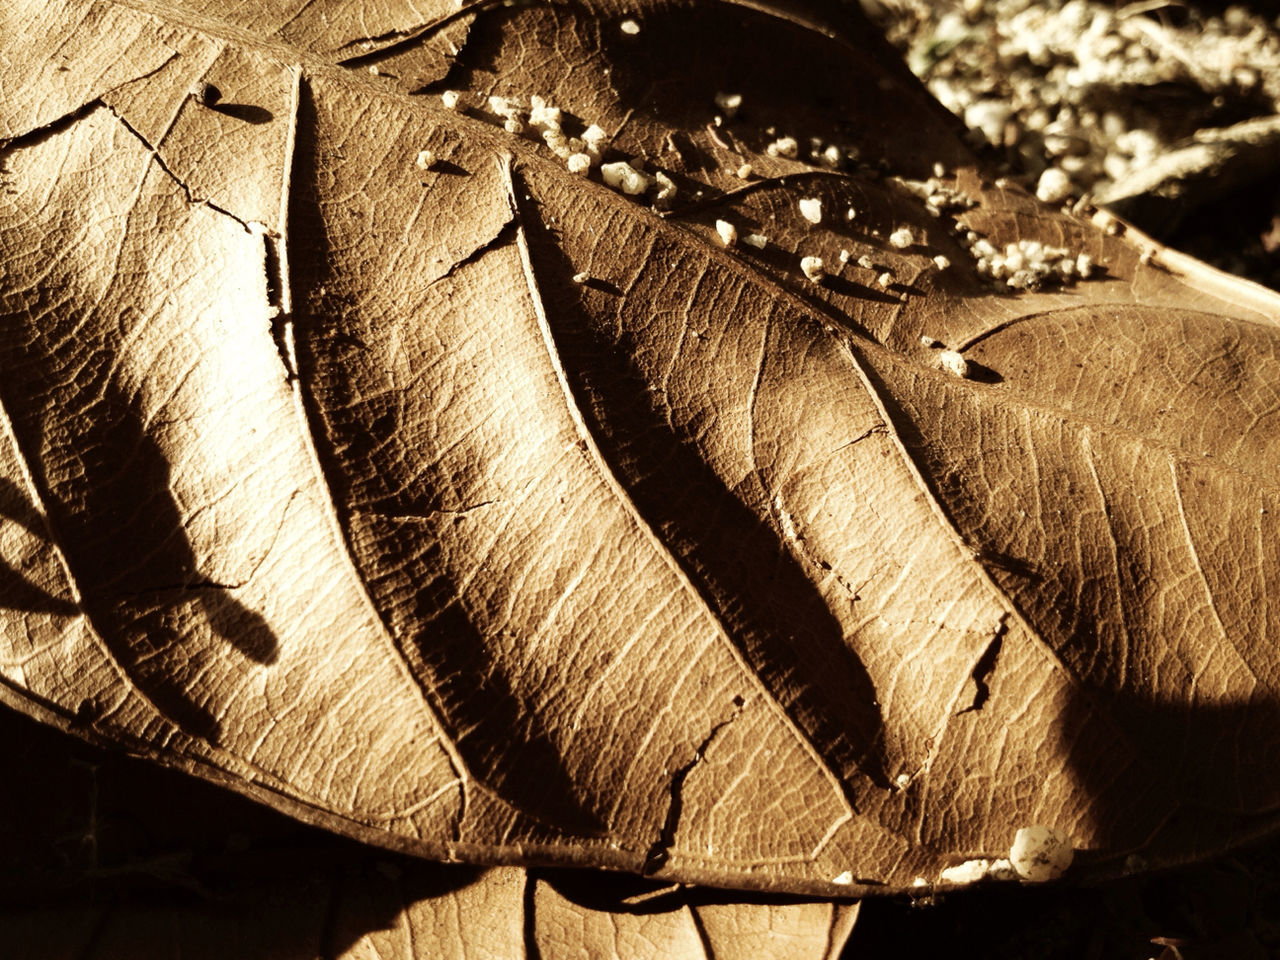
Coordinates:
column 471, row 508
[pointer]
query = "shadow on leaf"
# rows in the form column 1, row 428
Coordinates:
column 124, row 539
column 738, row 562
column 16, row 591
column 1177, row 773
column 488, row 708
column 110, row 856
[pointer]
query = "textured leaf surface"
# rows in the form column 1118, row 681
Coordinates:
column 485, row 513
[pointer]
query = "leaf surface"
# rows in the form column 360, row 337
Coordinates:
column 471, row 508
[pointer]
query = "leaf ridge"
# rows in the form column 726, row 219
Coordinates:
column 1200, row 572
column 948, row 525
column 624, row 498
column 330, row 509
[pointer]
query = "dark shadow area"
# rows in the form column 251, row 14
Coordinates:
column 660, row 74
column 820, row 92
column 603, row 286
column 980, row 373
column 860, row 291
column 246, row 112
column 696, row 162
column 102, row 855
column 105, row 484
column 1225, row 909
column 742, row 569
column 447, row 167
column 15, row 505
column 19, row 593
column 491, row 716
column 123, row 536
column 209, row 96
column 1240, row 232
column 1194, row 778
column 1010, row 564
column 16, row 591
column 495, row 726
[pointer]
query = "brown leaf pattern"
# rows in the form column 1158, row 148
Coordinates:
column 469, row 507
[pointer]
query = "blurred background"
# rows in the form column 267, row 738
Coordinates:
column 1166, row 111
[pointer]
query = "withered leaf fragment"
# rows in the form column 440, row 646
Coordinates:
column 326, row 481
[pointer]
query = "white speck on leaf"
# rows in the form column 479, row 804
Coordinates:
column 730, row 103
column 546, row 119
column 783, row 147
column 1054, row 186
column 971, row 871
column 1040, row 853
column 666, row 187
column 953, row 363
column 625, row 178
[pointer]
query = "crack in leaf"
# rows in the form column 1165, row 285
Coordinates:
column 412, row 35
column 38, row 135
column 986, row 666
column 793, row 536
column 660, row 851
column 506, row 235
column 182, row 586
column 439, row 512
column 249, row 226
